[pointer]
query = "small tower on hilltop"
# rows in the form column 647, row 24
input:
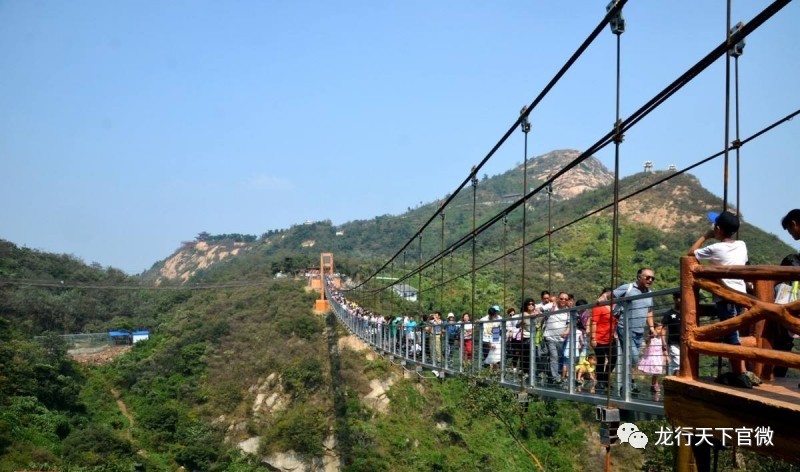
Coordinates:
column 648, row 167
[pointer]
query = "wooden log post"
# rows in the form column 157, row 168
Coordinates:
column 690, row 361
column 764, row 331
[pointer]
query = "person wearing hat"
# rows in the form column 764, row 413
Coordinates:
column 726, row 252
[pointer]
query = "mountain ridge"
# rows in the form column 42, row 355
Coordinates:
column 673, row 208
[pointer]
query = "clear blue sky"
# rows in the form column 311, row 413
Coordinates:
column 130, row 126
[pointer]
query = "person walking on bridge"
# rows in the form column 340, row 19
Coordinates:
column 639, row 315
column 556, row 329
column 436, row 337
column 528, row 313
column 453, row 334
column 468, row 341
column 671, row 334
column 726, row 252
column 602, row 337
column 487, row 330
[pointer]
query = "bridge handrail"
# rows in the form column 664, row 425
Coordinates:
column 414, row 352
column 696, row 340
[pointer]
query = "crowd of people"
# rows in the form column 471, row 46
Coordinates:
column 544, row 338
column 557, row 336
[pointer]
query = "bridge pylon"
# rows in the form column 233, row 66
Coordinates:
column 322, row 305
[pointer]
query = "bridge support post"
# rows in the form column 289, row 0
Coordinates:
column 322, row 305
column 689, row 360
column 684, row 459
column 764, row 332
column 693, row 458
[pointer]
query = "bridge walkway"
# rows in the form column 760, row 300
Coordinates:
column 414, row 355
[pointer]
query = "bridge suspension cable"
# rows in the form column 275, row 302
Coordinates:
column 584, row 45
column 737, row 50
column 617, row 27
column 618, row 129
column 600, row 209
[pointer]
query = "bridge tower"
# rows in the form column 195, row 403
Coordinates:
column 325, row 269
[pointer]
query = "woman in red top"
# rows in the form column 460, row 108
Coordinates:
column 601, row 335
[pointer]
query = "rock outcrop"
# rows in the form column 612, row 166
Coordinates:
column 195, row 256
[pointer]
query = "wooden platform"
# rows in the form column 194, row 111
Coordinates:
column 704, row 404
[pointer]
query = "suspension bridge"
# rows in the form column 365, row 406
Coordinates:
column 690, row 399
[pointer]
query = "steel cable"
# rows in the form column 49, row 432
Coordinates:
column 671, row 176
column 584, row 45
column 631, row 121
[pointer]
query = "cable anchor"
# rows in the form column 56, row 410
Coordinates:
column 616, row 22
column 526, row 125
column 737, row 49
column 618, row 136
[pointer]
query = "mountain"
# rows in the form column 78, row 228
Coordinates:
column 588, row 175
column 656, row 228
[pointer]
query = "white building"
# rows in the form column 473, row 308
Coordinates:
column 405, row 291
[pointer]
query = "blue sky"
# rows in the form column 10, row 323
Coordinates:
column 128, row 127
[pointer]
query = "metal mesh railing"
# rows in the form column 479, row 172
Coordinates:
column 516, row 352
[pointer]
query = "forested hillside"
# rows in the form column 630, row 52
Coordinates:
column 246, row 369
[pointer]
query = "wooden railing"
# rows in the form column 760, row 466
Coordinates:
column 760, row 311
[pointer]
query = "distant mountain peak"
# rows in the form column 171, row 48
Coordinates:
column 588, row 175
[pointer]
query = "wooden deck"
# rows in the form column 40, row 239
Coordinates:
column 701, row 403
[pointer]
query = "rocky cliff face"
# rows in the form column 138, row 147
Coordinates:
column 665, row 207
column 195, row 256
column 668, row 212
column 588, row 175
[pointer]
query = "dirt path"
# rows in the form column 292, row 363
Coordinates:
column 124, row 410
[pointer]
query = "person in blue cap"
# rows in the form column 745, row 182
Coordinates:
column 727, row 251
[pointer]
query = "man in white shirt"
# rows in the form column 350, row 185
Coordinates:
column 726, row 252
column 556, row 329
